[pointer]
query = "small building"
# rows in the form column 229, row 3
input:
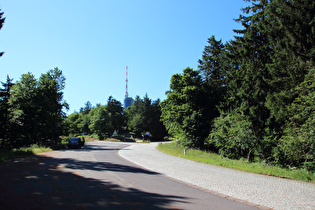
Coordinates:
column 127, row 102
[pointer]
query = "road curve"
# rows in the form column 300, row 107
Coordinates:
column 96, row 177
column 267, row 191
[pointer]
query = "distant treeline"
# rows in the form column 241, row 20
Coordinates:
column 103, row 120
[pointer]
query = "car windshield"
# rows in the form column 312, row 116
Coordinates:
column 74, row 140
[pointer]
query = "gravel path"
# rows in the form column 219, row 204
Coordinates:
column 265, row 191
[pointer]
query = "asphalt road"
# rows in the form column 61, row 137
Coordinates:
column 96, row 177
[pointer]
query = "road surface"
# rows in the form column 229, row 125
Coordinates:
column 267, row 191
column 96, row 177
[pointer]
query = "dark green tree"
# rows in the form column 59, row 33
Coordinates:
column 144, row 116
column 4, row 110
column 24, row 108
column 115, row 111
column 100, row 122
column 2, row 19
column 51, row 104
column 73, row 122
column 135, row 116
column 184, row 112
column 156, row 127
column 37, row 108
column 248, row 74
column 84, row 118
column 87, row 108
column 267, row 63
column 291, row 32
column 213, row 65
column 297, row 145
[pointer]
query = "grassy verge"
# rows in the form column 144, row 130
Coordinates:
column 7, row 154
column 255, row 167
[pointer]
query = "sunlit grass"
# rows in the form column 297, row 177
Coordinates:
column 7, row 154
column 253, row 167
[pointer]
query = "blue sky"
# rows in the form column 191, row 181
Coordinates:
column 93, row 41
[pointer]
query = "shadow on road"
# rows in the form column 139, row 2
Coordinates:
column 38, row 183
column 102, row 166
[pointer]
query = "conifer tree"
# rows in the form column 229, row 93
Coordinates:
column 4, row 110
column 249, row 56
column 2, row 19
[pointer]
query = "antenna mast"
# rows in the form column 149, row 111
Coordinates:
column 126, row 94
column 128, row 100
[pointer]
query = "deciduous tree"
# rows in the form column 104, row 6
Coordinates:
column 184, row 111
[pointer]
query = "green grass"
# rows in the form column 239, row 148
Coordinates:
column 253, row 167
column 7, row 154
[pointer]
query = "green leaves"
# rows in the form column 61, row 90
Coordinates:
column 297, row 145
column 260, row 83
column 35, row 109
column 233, row 136
column 100, row 122
column 184, row 112
column 144, row 116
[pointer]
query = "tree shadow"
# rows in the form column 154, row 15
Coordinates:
column 101, row 166
column 91, row 147
column 37, row 182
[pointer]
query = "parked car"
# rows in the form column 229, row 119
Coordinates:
column 76, row 142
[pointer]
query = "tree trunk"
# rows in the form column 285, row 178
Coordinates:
column 249, row 156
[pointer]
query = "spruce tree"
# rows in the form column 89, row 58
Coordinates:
column 2, row 19
column 4, row 110
column 249, row 56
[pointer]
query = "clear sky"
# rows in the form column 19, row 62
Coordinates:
column 93, row 41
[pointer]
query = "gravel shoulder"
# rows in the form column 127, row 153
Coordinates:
column 265, row 191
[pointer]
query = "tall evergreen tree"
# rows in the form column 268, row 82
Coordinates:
column 4, row 110
column 247, row 80
column 268, row 61
column 212, row 66
column 2, row 19
column 292, row 34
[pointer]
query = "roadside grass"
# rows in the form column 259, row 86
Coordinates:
column 7, row 154
column 253, row 167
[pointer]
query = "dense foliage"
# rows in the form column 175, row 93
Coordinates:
column 144, row 117
column 32, row 110
column 255, row 93
column 100, row 121
column 184, row 112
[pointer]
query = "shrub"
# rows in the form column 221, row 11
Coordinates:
column 233, row 136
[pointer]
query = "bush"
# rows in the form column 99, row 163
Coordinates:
column 297, row 145
column 233, row 136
